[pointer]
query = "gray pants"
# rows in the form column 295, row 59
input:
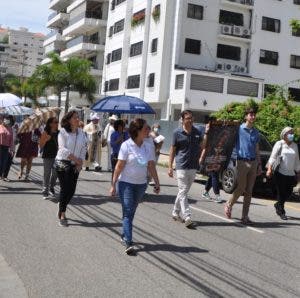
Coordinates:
column 50, row 175
column 185, row 179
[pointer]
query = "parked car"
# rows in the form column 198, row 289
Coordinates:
column 229, row 176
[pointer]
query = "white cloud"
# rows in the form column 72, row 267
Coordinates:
column 32, row 14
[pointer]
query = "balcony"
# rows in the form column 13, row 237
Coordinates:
column 85, row 23
column 53, row 36
column 82, row 46
column 235, row 33
column 57, row 20
column 59, row 4
column 248, row 4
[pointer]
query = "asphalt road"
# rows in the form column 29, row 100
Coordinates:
column 218, row 258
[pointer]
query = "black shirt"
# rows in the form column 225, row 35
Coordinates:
column 51, row 147
column 187, row 148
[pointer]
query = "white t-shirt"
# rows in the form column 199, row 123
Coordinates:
column 290, row 158
column 137, row 158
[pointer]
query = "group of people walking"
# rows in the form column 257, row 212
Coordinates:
column 133, row 157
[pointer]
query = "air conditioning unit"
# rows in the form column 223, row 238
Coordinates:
column 238, row 30
column 246, row 32
column 229, row 67
column 220, row 66
column 226, row 29
column 242, row 69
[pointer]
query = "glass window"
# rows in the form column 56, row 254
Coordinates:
column 154, row 45
column 268, row 57
column 136, row 49
column 151, row 79
column 133, row 82
column 116, row 55
column 295, row 61
column 270, row 24
column 229, row 52
column 195, row 11
column 192, row 46
column 231, row 18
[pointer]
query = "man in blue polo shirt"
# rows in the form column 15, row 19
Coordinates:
column 185, row 149
column 248, row 165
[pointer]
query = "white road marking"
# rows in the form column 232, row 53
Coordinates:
column 226, row 219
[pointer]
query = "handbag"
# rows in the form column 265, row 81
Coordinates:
column 62, row 165
column 104, row 142
column 276, row 164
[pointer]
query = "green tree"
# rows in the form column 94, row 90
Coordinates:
column 73, row 74
column 274, row 113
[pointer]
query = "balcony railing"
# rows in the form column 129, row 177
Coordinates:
column 82, row 39
column 55, row 13
column 87, row 14
column 245, row 2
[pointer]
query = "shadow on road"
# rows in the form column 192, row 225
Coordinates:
column 168, row 247
column 75, row 222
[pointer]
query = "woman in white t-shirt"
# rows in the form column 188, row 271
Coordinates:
column 135, row 158
column 287, row 149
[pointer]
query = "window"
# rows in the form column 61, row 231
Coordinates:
column 113, row 85
column 243, row 88
column 2, row 49
column 108, row 58
column 119, row 1
column 296, row 32
column 119, row 26
column 295, row 94
column 113, row 4
column 116, row 55
column 297, row 2
column 154, row 45
column 229, row 52
column 195, row 12
column 179, row 81
column 270, row 24
column 106, row 86
column 231, row 18
column 25, row 44
column 111, row 31
column 151, row 79
column 206, row 83
column 133, row 82
column 268, row 57
column 295, row 61
column 136, row 49
column 192, row 46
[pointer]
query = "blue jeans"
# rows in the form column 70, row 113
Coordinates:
column 130, row 195
column 4, row 155
column 213, row 181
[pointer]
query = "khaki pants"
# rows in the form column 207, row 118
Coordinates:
column 246, row 176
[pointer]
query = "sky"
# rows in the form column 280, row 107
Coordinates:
column 32, row 14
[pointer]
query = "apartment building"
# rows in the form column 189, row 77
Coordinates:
column 200, row 54
column 78, row 29
column 21, row 51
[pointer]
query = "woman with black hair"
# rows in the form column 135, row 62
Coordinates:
column 49, row 147
column 72, row 145
column 135, row 158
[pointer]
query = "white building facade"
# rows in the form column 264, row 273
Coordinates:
column 21, row 51
column 78, row 29
column 199, row 54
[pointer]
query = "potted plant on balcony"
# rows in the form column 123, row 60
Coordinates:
column 138, row 19
column 156, row 13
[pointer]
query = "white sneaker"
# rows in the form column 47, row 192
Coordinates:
column 188, row 222
column 176, row 216
column 218, row 199
column 206, row 195
column 45, row 197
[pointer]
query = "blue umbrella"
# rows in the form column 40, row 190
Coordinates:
column 122, row 104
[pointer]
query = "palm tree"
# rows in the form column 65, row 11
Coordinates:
column 73, row 74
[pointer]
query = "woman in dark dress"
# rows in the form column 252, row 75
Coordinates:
column 28, row 149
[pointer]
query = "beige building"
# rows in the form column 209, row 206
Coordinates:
column 78, row 29
column 21, row 51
